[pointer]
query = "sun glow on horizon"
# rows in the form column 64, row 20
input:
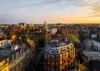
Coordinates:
column 53, row 11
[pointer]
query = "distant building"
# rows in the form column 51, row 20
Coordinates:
column 31, row 26
column 22, row 25
column 93, row 36
column 38, row 35
column 3, row 25
column 5, row 43
column 2, row 35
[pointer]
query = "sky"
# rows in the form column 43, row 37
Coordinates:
column 52, row 11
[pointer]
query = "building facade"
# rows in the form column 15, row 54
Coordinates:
column 59, row 57
column 16, row 60
column 4, row 65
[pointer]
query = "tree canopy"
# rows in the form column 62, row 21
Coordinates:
column 72, row 38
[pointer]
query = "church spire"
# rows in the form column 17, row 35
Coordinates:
column 46, row 31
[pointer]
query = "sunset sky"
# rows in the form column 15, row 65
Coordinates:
column 52, row 11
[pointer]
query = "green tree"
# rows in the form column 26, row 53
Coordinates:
column 72, row 38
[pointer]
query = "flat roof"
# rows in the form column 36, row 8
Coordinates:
column 92, row 53
column 4, row 53
column 7, row 52
column 55, row 44
column 52, row 48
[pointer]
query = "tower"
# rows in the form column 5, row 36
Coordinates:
column 46, row 32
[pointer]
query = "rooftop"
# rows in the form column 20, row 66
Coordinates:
column 4, row 53
column 92, row 53
column 97, row 39
column 7, row 52
column 56, row 43
column 56, row 48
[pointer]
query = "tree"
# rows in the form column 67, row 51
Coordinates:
column 72, row 38
column 13, row 38
column 82, row 35
column 30, row 42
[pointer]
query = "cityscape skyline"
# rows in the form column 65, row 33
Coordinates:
column 53, row 11
column 49, row 47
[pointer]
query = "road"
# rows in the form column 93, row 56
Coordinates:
column 88, row 44
column 85, row 45
column 37, row 59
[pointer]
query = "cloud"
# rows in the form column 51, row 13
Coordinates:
column 14, row 11
column 93, row 6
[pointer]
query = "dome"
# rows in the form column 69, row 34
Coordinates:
column 53, row 31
